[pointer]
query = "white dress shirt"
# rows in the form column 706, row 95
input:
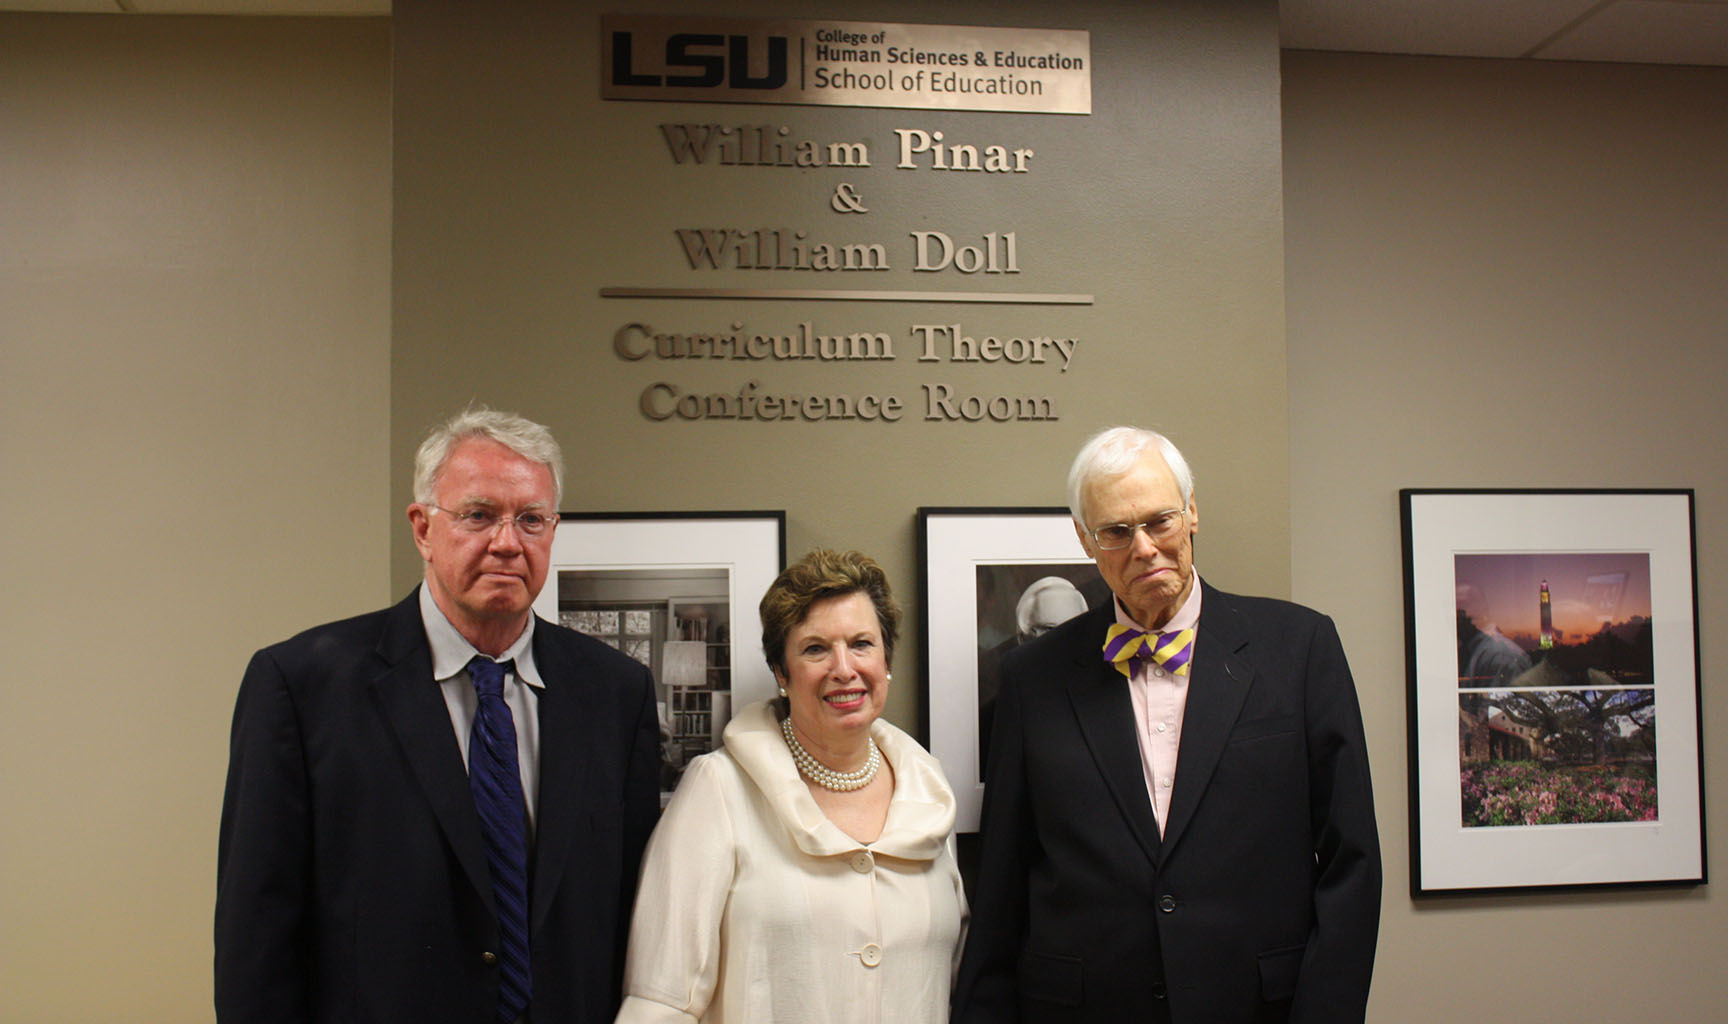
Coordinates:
column 451, row 653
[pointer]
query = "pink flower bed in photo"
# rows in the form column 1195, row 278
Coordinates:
column 1526, row 793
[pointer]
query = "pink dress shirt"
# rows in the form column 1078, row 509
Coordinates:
column 1159, row 700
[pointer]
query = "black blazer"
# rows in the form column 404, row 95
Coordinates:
column 1261, row 901
column 352, row 882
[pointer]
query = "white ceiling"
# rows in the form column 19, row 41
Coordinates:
column 1621, row 31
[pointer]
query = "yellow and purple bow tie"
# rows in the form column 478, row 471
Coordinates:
column 1122, row 644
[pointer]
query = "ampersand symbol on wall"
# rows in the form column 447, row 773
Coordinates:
column 847, row 200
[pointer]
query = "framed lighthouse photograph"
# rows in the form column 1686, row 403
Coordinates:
column 1553, row 689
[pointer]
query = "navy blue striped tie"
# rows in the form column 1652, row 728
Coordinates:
column 495, row 776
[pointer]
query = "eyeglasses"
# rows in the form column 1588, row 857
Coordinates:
column 484, row 520
column 1160, row 529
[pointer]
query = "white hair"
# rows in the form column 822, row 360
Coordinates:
column 1111, row 452
column 522, row 436
column 1028, row 604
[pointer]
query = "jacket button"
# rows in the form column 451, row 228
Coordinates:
column 489, row 959
column 1167, row 903
column 862, row 862
column 1158, row 990
column 871, row 955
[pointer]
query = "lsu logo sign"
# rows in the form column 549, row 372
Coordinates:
column 845, row 63
column 694, row 59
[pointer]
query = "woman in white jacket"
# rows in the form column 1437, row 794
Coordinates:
column 804, row 872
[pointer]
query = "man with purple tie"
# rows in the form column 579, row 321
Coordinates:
column 436, row 812
column 1177, row 822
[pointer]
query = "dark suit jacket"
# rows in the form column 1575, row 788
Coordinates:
column 1260, row 902
column 352, row 883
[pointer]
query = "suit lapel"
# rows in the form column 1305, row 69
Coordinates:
column 567, row 733
column 1105, row 712
column 1216, row 689
column 415, row 708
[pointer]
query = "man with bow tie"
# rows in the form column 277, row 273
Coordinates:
column 1178, row 824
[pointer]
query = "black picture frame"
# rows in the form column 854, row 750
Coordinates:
column 678, row 591
column 975, row 564
column 1553, row 689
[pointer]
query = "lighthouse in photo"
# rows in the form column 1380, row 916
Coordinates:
column 1547, row 619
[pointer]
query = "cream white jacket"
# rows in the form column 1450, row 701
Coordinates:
column 754, row 908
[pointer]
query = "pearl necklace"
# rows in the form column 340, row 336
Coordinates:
column 824, row 776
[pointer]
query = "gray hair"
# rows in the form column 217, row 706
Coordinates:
column 1112, row 451
column 522, row 436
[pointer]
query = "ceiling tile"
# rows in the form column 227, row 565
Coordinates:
column 1642, row 32
column 1453, row 28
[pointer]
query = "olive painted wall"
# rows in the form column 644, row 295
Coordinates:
column 520, row 194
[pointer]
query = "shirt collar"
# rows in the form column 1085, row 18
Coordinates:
column 1186, row 617
column 451, row 651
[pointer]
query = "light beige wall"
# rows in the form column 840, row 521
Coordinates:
column 1506, row 274
column 194, row 417
column 519, row 194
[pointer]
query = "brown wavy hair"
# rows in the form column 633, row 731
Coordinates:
column 818, row 576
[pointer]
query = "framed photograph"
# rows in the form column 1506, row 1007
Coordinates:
column 992, row 578
column 678, row 592
column 1552, row 647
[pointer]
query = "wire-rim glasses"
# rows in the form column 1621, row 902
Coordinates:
column 1161, row 528
column 478, row 519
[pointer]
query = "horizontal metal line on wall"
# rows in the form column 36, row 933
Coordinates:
column 847, row 295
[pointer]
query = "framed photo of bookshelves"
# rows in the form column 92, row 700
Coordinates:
column 678, row 592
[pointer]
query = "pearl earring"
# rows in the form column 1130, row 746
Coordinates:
column 782, row 691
